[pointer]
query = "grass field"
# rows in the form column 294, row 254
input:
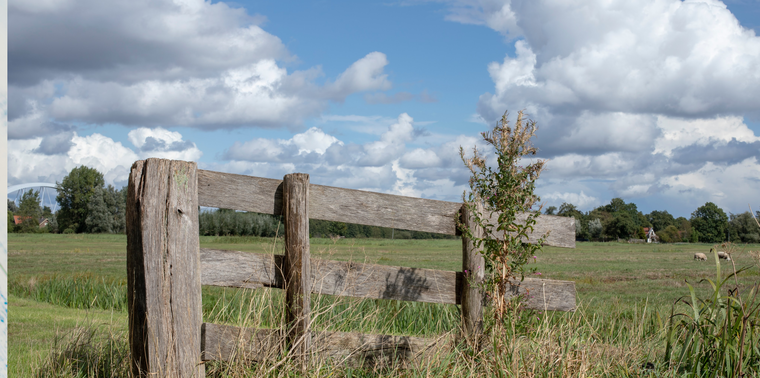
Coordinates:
column 60, row 282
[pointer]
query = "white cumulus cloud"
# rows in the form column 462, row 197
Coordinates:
column 29, row 160
column 165, row 63
column 628, row 94
column 162, row 143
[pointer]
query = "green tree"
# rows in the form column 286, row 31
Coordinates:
column 30, row 212
column 617, row 205
column 11, row 223
column 595, row 228
column 119, row 211
column 684, row 228
column 569, row 210
column 99, row 218
column 12, row 207
column 660, row 220
column 338, row 229
column 622, row 226
column 551, row 210
column 694, row 236
column 640, row 233
column 74, row 193
column 743, row 228
column 710, row 222
column 107, row 211
column 669, row 235
column 53, row 224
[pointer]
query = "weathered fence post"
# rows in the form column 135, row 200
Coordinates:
column 473, row 266
column 297, row 262
column 163, row 269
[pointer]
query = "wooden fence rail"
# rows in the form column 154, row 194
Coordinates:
column 166, row 268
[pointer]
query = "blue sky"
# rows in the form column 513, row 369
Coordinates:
column 654, row 101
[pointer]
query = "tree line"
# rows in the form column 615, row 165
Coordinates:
column 621, row 220
column 222, row 222
column 87, row 205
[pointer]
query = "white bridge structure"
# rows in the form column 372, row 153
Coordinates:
column 47, row 192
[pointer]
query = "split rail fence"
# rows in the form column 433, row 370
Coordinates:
column 166, row 269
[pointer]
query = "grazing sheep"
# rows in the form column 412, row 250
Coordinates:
column 700, row 256
column 724, row 255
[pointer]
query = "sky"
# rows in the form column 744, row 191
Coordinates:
column 653, row 101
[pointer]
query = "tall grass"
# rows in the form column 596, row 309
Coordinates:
column 577, row 344
column 718, row 335
column 87, row 351
column 573, row 344
column 614, row 343
column 82, row 291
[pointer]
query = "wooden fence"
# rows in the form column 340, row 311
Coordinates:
column 166, row 269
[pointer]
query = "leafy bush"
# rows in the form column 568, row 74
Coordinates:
column 669, row 235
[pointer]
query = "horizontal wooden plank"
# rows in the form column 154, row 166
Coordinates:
column 227, row 343
column 262, row 195
column 546, row 295
column 374, row 281
column 561, row 229
column 240, row 269
column 371, row 281
column 384, row 210
column 239, row 192
column 350, row 279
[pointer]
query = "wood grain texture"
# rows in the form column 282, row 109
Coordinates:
column 239, row 192
column 297, row 268
column 241, row 269
column 342, row 278
column 546, row 295
column 163, row 269
column 473, row 268
column 228, row 343
column 383, row 210
column 248, row 193
column 370, row 281
column 561, row 229
column 373, row 281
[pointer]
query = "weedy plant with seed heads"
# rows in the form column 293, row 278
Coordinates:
column 504, row 189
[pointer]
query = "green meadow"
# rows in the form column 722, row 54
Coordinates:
column 68, row 295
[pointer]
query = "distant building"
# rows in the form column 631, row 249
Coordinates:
column 650, row 235
column 18, row 219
